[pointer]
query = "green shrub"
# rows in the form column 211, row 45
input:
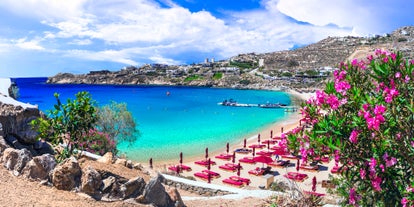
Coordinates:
column 217, row 76
column 192, row 78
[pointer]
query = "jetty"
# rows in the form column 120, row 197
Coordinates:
column 233, row 103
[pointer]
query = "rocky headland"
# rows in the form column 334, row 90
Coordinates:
column 302, row 68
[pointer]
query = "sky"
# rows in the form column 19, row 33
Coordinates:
column 41, row 38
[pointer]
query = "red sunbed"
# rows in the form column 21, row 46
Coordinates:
column 233, row 165
column 204, row 162
column 279, row 163
column 256, row 171
column 174, row 168
column 228, row 168
column 224, row 156
column 185, row 167
column 299, row 177
column 265, row 153
column 248, row 160
column 233, row 182
column 257, row 146
column 212, row 173
column 269, row 141
column 244, row 180
column 202, row 175
column 309, row 167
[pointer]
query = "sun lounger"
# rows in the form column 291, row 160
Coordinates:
column 233, row 182
column 248, row 160
column 265, row 153
column 233, row 165
column 257, row 171
column 228, row 168
column 224, row 156
column 279, row 163
column 244, row 180
column 174, row 168
column 299, row 177
column 185, row 167
column 202, row 175
column 309, row 167
column 204, row 162
column 212, row 173
column 269, row 141
column 257, row 146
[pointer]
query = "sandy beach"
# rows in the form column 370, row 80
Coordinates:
column 291, row 122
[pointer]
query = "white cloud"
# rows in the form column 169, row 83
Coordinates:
column 81, row 42
column 106, row 55
column 28, row 45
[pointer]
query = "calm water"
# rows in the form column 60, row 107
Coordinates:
column 188, row 121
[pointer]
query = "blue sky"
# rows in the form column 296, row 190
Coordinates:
column 45, row 37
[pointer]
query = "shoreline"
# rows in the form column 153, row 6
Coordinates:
column 290, row 122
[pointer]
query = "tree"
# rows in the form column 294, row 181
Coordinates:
column 365, row 118
column 117, row 121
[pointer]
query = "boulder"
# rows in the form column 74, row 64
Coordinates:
column 133, row 187
column 66, row 176
column 39, row 167
column 111, row 189
column 121, row 161
column 16, row 160
column 155, row 194
column 16, row 120
column 108, row 158
column 176, row 197
column 3, row 145
column 91, row 181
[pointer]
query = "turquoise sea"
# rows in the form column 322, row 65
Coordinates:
column 188, row 120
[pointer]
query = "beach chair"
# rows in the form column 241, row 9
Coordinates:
column 257, row 146
column 228, row 168
column 233, row 182
column 244, row 180
column 204, row 162
column 212, row 173
column 258, row 171
column 202, row 175
column 309, row 167
column 289, row 156
column 224, row 156
column 279, row 163
column 248, row 160
column 265, row 153
column 233, row 165
column 174, row 168
column 185, row 167
column 298, row 177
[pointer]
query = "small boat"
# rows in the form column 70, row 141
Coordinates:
column 271, row 105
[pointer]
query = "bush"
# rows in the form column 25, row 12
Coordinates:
column 217, row 76
column 192, row 78
column 365, row 120
column 98, row 142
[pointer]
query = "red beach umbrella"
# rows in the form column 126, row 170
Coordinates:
column 234, row 157
column 297, row 165
column 258, row 138
column 244, row 144
column 263, row 159
column 181, row 158
column 254, row 151
column 238, row 169
column 206, row 152
column 271, row 133
column 227, row 148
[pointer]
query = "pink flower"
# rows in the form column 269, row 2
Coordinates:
column 389, row 161
column 393, row 56
column 370, row 57
column 353, row 137
column 379, row 109
column 342, row 87
column 385, row 59
column 372, row 164
column 398, row 75
column 406, row 79
column 362, row 173
column 353, row 197
column 354, row 62
column 376, row 183
column 404, row 201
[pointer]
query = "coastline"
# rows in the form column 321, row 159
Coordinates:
column 288, row 123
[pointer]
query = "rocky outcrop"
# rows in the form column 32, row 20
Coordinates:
column 155, row 193
column 39, row 167
column 133, row 187
column 15, row 160
column 66, row 176
column 91, row 181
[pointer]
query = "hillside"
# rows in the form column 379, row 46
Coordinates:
column 305, row 67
